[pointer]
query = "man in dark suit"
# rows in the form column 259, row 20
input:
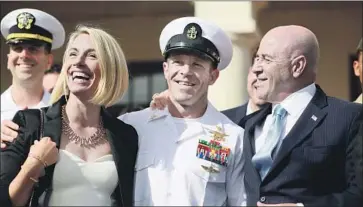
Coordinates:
column 358, row 68
column 303, row 149
column 254, row 103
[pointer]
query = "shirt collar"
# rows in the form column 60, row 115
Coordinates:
column 45, row 100
column 10, row 104
column 249, row 108
column 359, row 99
column 296, row 102
column 157, row 114
column 7, row 102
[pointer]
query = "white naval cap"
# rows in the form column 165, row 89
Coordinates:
column 197, row 35
column 32, row 25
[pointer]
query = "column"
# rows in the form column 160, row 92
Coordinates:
column 236, row 18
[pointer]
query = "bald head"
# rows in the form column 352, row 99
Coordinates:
column 293, row 41
column 286, row 62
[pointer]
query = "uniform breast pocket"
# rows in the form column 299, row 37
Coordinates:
column 208, row 180
column 209, row 171
column 142, row 181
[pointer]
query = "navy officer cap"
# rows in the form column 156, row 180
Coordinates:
column 34, row 26
column 199, row 36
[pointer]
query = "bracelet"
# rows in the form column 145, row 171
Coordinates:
column 34, row 180
column 31, row 178
column 39, row 159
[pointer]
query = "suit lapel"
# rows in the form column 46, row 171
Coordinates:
column 252, row 176
column 241, row 112
column 308, row 121
column 250, row 122
column 118, row 147
column 53, row 129
column 53, row 124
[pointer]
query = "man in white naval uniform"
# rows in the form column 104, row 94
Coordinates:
column 190, row 154
column 31, row 35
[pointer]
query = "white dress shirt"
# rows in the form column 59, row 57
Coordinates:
column 294, row 104
column 168, row 169
column 249, row 109
column 359, row 99
column 9, row 107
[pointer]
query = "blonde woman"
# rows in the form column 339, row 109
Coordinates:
column 85, row 156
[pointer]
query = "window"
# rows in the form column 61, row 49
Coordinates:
column 146, row 79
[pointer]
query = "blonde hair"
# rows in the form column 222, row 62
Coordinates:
column 114, row 79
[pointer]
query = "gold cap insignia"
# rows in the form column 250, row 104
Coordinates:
column 192, row 33
column 25, row 20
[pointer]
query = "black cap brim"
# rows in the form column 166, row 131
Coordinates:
column 188, row 51
column 26, row 41
column 201, row 46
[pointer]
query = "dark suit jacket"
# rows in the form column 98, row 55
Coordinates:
column 319, row 162
column 237, row 113
column 123, row 140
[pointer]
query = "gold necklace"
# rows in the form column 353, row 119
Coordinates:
column 94, row 140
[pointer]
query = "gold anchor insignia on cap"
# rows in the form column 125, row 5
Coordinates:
column 25, row 20
column 192, row 33
column 210, row 169
column 219, row 134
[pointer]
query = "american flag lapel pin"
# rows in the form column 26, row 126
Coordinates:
column 313, row 117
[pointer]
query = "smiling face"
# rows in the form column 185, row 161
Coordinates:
column 251, row 80
column 28, row 62
column 274, row 67
column 286, row 62
column 83, row 71
column 272, row 71
column 357, row 65
column 188, row 78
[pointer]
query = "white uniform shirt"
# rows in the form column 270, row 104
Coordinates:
column 295, row 105
column 169, row 171
column 9, row 108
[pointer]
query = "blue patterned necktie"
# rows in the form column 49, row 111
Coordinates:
column 262, row 160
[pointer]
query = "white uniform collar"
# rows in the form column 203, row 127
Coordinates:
column 210, row 122
column 157, row 114
column 9, row 104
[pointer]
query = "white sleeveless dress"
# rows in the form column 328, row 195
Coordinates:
column 80, row 183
